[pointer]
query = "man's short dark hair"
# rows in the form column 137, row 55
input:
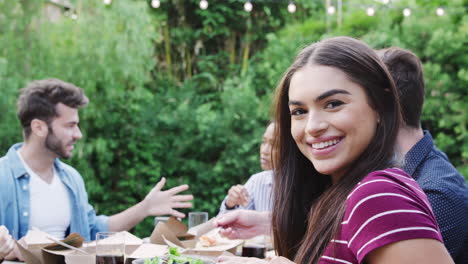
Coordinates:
column 38, row 100
column 407, row 73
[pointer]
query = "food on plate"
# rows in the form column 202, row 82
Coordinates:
column 207, row 240
column 174, row 257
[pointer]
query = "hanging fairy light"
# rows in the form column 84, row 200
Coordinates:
column 155, row 3
column 370, row 11
column 248, row 6
column 331, row 10
column 407, row 12
column 107, row 2
column 291, row 7
column 203, row 4
column 440, row 11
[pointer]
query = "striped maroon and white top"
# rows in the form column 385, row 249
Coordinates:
column 387, row 206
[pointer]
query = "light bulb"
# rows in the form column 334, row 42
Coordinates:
column 74, row 16
column 248, row 6
column 370, row 11
column 203, row 4
column 385, row 2
column 107, row 2
column 440, row 11
column 331, row 10
column 406, row 12
column 291, row 7
column 155, row 3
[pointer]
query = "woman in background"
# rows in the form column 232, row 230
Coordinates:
column 256, row 193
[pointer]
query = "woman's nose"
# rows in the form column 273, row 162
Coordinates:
column 316, row 124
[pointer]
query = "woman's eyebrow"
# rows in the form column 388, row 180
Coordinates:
column 292, row 102
column 330, row 93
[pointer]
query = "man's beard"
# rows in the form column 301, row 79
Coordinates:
column 55, row 145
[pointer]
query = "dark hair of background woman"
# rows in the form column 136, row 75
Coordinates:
column 308, row 209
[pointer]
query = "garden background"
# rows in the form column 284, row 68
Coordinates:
column 185, row 93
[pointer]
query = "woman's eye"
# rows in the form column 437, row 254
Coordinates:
column 298, row 111
column 333, row 104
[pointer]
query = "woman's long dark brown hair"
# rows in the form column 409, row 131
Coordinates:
column 308, row 209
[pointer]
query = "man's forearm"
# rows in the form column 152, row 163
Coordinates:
column 127, row 219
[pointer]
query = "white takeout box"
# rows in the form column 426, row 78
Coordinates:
column 173, row 232
column 34, row 251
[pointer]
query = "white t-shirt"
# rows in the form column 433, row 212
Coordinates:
column 50, row 209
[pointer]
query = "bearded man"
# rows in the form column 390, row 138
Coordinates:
column 37, row 190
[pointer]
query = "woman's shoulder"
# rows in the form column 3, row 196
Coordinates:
column 387, row 181
column 386, row 206
column 391, row 174
column 386, row 190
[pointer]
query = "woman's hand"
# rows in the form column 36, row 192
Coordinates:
column 243, row 224
column 242, row 260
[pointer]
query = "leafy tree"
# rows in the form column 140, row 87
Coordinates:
column 185, row 93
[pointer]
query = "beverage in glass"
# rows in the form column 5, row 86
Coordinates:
column 110, row 248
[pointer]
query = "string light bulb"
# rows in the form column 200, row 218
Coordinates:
column 203, row 4
column 370, row 11
column 107, row 2
column 155, row 3
column 407, row 12
column 385, row 2
column 74, row 16
column 291, row 7
column 331, row 10
column 248, row 6
column 440, row 11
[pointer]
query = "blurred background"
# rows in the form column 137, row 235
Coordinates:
column 183, row 88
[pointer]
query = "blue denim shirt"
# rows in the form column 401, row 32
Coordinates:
column 446, row 190
column 15, row 198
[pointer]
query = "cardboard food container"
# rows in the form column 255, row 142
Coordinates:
column 37, row 250
column 174, row 233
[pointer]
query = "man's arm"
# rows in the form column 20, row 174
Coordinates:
column 6, row 242
column 156, row 202
column 447, row 205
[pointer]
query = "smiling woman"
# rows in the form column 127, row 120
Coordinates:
column 337, row 120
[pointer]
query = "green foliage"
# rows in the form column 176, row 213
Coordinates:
column 440, row 42
column 167, row 95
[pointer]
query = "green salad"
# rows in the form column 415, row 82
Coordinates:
column 173, row 257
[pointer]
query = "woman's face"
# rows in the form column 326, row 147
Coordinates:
column 266, row 148
column 331, row 120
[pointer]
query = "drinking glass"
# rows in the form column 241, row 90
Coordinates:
column 110, row 248
column 162, row 219
column 197, row 218
column 255, row 247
